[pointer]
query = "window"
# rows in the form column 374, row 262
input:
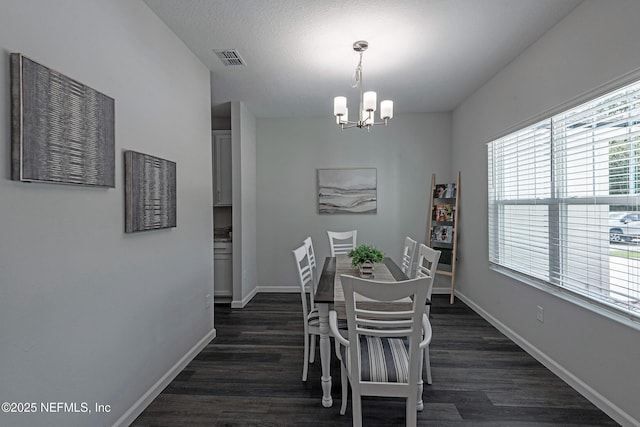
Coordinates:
column 564, row 201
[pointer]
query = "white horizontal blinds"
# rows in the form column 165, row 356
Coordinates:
column 520, row 164
column 552, row 187
column 599, row 145
column 597, row 152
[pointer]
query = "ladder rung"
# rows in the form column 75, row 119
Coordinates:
column 444, row 272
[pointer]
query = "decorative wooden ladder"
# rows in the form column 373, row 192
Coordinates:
column 442, row 233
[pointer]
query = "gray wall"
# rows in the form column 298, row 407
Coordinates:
column 243, row 137
column 405, row 154
column 595, row 44
column 88, row 313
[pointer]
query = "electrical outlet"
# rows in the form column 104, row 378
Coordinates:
column 207, row 300
column 540, row 314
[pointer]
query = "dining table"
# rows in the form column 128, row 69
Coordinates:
column 329, row 296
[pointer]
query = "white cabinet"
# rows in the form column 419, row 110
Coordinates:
column 222, row 168
column 222, row 271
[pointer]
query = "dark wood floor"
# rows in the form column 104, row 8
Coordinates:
column 250, row 375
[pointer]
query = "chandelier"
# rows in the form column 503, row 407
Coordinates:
column 368, row 101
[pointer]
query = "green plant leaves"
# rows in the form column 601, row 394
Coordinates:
column 364, row 253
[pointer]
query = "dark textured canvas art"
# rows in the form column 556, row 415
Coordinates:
column 62, row 131
column 150, row 192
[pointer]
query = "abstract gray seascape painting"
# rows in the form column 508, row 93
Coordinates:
column 347, row 191
column 62, row 131
column 150, row 192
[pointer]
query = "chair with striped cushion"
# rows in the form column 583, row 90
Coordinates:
column 427, row 265
column 308, row 244
column 382, row 355
column 311, row 317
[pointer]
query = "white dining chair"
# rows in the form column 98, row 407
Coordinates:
column 364, row 363
column 342, row 242
column 426, row 267
column 308, row 244
column 310, row 316
column 408, row 253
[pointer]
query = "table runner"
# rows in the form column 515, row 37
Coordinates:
column 381, row 273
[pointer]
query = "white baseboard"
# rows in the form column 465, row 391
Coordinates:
column 245, row 300
column 134, row 411
column 264, row 289
column 580, row 386
column 279, row 289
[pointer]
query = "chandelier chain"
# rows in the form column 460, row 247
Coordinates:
column 357, row 75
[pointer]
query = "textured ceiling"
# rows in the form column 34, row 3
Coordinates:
column 425, row 55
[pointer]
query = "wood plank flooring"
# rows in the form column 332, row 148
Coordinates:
column 250, row 375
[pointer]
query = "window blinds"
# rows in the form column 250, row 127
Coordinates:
column 557, row 189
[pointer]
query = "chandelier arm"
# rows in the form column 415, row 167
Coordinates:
column 350, row 125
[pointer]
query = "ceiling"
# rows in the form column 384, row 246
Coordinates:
column 425, row 55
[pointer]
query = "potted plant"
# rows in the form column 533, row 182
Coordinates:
column 363, row 257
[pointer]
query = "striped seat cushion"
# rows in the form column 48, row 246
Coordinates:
column 382, row 359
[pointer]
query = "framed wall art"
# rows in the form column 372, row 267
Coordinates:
column 347, row 191
column 62, row 131
column 150, row 192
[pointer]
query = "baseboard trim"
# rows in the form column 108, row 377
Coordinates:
column 266, row 290
column 245, row 300
column 279, row 289
column 580, row 386
column 134, row 411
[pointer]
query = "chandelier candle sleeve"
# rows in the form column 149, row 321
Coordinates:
column 386, row 109
column 343, row 118
column 339, row 105
column 369, row 101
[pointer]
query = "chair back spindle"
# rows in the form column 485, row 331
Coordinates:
column 407, row 256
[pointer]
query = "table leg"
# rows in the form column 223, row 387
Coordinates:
column 325, row 354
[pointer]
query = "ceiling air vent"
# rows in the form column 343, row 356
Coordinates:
column 229, row 57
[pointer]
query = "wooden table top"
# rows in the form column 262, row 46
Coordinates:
column 325, row 291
